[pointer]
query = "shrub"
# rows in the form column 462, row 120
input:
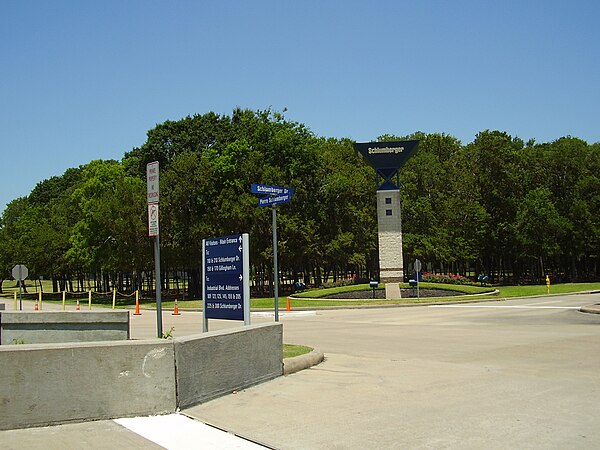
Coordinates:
column 446, row 278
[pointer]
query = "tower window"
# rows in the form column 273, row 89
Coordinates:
column 388, row 200
column 388, row 212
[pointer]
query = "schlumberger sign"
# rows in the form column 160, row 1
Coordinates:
column 387, row 158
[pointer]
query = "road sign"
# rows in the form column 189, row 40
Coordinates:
column 269, row 190
column 274, row 199
column 417, row 265
column 153, row 225
column 152, row 182
column 20, row 272
column 226, row 273
column 275, row 194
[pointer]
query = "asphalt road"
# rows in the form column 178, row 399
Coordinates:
column 521, row 373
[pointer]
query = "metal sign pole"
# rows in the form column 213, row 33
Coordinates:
column 20, row 286
column 204, row 313
column 153, row 199
column 275, row 268
column 418, row 267
column 246, row 275
column 159, row 324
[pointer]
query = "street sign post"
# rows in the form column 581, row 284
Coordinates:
column 20, row 272
column 417, row 270
column 152, row 197
column 226, row 278
column 275, row 195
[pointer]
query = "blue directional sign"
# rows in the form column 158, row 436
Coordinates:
column 275, row 199
column 226, row 271
column 275, row 194
column 267, row 189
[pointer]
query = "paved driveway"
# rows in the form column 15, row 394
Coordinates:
column 514, row 374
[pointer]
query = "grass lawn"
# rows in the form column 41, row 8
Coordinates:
column 565, row 288
column 290, row 350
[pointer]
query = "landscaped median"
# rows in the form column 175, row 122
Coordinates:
column 362, row 295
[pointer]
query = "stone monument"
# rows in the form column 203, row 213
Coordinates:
column 387, row 158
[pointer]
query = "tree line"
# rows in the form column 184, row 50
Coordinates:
column 514, row 210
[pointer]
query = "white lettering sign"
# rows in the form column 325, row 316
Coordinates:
column 152, row 182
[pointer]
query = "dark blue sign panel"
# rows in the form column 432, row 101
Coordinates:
column 275, row 194
column 387, row 158
column 275, row 199
column 225, row 270
column 267, row 189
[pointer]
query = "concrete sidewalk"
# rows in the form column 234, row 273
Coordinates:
column 173, row 431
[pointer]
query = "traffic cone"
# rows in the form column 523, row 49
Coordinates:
column 77, row 308
column 288, row 306
column 137, row 305
column 36, row 307
column 176, row 310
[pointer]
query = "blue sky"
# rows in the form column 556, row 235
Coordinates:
column 84, row 80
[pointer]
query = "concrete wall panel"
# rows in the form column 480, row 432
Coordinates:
column 57, row 326
column 57, row 383
column 45, row 384
column 216, row 363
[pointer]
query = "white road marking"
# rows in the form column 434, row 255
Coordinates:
column 179, row 432
column 284, row 314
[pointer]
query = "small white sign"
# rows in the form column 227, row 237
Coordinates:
column 153, row 228
column 152, row 182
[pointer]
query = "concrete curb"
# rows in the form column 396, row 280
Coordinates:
column 590, row 309
column 301, row 362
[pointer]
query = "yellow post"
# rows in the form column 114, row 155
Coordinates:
column 64, row 299
column 548, row 283
column 40, row 299
column 90, row 300
column 15, row 299
column 114, row 298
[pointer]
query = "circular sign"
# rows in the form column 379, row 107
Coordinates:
column 417, row 265
column 20, row 272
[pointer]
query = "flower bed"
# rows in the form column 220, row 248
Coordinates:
column 446, row 278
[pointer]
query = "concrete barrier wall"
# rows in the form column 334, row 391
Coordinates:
column 58, row 326
column 214, row 364
column 43, row 384
column 56, row 383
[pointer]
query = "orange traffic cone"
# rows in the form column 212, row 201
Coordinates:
column 288, row 307
column 77, row 308
column 36, row 307
column 176, row 310
column 137, row 305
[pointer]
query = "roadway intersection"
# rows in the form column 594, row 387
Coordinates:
column 519, row 373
